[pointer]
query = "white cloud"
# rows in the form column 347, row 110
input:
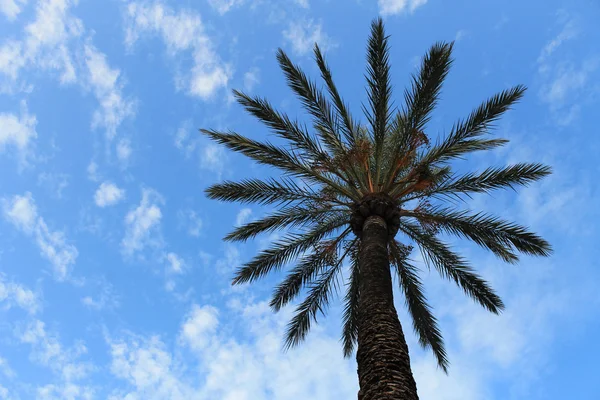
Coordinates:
column 462, row 383
column 21, row 211
column 18, row 132
column 48, row 351
column 108, row 194
column 142, row 222
column 105, row 300
column 92, row 171
column 182, row 141
column 147, row 366
column 107, row 88
column 176, row 263
column 569, row 31
column 181, row 31
column 303, row 34
column 242, row 216
column 391, row 7
column 11, row 59
column 192, row 221
column 222, row 6
column 564, row 83
column 46, row 40
column 461, row 34
column 55, row 183
column 302, row 3
column 251, row 79
column 230, row 262
column 213, row 159
column 253, row 368
column 11, row 8
column 67, row 391
column 12, row 294
column 124, row 151
column 52, row 42
column 6, row 370
column 199, row 327
column 568, row 80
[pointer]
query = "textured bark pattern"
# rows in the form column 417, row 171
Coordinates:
column 383, row 362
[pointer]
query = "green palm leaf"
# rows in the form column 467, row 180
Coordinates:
column 452, row 266
column 424, row 323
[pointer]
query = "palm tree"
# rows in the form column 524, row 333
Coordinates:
column 349, row 189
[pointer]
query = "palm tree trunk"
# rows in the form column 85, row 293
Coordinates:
column 383, row 362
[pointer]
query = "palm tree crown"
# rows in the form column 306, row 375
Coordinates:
column 342, row 171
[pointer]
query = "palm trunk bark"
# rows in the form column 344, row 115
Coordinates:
column 383, row 362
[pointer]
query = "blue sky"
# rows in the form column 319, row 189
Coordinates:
column 114, row 281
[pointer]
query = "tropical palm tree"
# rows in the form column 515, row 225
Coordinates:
column 349, row 189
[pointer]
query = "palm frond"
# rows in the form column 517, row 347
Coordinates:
column 424, row 323
column 271, row 191
column 452, row 266
column 420, row 101
column 281, row 124
column 317, row 300
column 288, row 217
column 380, row 90
column 269, row 154
column 492, row 178
column 315, row 103
column 350, row 316
column 479, row 122
column 425, row 89
column 286, row 249
column 348, row 127
column 500, row 237
column 305, row 272
column 263, row 153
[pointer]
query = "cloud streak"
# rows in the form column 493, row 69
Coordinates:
column 181, row 31
column 21, row 211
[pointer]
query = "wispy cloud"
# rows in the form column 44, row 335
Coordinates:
column 391, row 7
column 107, row 88
column 108, row 194
column 54, row 183
column 223, row 6
column 22, row 212
column 211, row 157
column 49, row 352
column 569, row 31
column 14, row 294
column 565, row 82
column 142, row 223
column 255, row 368
column 124, row 151
column 18, row 132
column 53, row 43
column 243, row 216
column 181, row 31
column 303, row 34
column 92, row 171
column 192, row 222
column 12, row 8
column 106, row 299
column 175, row 264
column 251, row 79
